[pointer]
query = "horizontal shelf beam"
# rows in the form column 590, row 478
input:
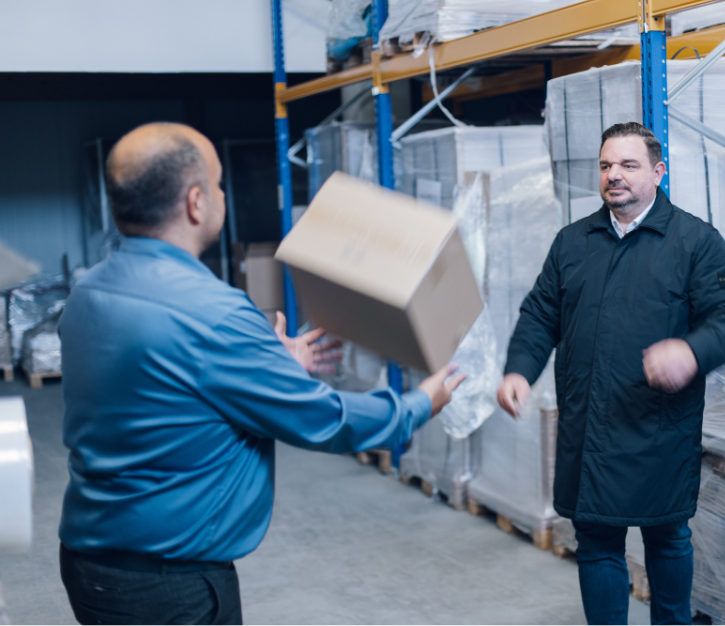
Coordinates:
column 565, row 23
column 532, row 77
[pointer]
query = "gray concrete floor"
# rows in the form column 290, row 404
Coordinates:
column 346, row 546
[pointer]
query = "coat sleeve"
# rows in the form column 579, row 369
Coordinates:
column 537, row 331
column 707, row 302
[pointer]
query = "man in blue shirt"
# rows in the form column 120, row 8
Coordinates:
column 175, row 389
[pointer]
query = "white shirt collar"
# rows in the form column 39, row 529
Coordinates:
column 635, row 223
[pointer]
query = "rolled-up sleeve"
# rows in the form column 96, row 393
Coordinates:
column 254, row 383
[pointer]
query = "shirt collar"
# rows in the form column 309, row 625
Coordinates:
column 635, row 223
column 161, row 250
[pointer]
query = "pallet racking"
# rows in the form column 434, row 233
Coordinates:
column 511, row 39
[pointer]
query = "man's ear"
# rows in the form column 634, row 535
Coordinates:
column 195, row 205
column 660, row 170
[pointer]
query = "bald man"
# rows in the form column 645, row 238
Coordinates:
column 175, row 389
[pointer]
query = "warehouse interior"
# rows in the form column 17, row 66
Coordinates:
column 493, row 113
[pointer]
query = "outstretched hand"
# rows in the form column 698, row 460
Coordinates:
column 512, row 393
column 439, row 388
column 316, row 358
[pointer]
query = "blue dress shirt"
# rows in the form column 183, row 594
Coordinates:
column 175, row 388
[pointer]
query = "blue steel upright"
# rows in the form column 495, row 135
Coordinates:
column 284, row 170
column 654, row 93
column 386, row 172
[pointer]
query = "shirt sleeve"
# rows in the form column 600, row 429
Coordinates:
column 707, row 303
column 251, row 380
column 537, row 331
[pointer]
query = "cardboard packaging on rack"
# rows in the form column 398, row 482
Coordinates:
column 260, row 276
column 383, row 270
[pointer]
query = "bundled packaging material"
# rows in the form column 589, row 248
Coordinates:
column 563, row 536
column 384, row 271
column 451, row 19
column 41, row 348
column 708, row 540
column 14, row 268
column 579, row 107
column 436, row 164
column 713, row 425
column 698, row 18
column 33, row 303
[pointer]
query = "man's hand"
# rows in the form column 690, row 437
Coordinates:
column 512, row 393
column 439, row 391
column 314, row 357
column 669, row 365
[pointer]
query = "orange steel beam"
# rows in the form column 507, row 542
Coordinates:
column 540, row 30
column 533, row 77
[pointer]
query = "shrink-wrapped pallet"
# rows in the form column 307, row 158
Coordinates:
column 579, row 107
column 41, row 348
column 708, row 540
column 32, row 303
column 436, row 164
column 515, row 475
column 698, row 18
column 445, row 20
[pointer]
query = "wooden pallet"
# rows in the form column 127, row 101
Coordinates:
column 8, row 373
column 360, row 55
column 560, row 550
column 454, row 496
column 638, row 583
column 541, row 538
column 382, row 458
column 36, row 380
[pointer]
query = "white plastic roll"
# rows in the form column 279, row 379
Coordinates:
column 16, row 477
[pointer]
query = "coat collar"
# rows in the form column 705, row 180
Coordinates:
column 657, row 219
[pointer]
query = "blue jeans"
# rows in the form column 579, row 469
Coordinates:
column 604, row 580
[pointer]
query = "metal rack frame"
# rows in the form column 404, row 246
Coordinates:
column 548, row 28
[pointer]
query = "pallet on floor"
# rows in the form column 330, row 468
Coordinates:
column 36, row 378
column 382, row 458
column 453, row 493
column 638, row 583
column 8, row 373
column 541, row 534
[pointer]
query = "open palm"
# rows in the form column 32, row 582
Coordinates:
column 313, row 356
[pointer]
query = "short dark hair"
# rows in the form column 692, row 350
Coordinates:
column 654, row 149
column 145, row 194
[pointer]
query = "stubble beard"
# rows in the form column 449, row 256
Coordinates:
column 621, row 206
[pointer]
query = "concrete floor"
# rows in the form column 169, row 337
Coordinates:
column 346, row 546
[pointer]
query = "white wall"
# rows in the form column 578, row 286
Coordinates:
column 158, row 35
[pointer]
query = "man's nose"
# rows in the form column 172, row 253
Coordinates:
column 615, row 172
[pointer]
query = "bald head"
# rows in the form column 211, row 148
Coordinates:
column 149, row 173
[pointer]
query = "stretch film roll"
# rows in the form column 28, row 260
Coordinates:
column 16, row 477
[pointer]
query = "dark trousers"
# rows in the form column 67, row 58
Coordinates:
column 144, row 591
column 604, row 580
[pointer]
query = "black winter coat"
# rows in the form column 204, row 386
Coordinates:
column 627, row 454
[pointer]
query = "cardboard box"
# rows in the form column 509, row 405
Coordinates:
column 260, row 275
column 383, row 270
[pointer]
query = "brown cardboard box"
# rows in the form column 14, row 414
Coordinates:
column 383, row 270
column 260, row 275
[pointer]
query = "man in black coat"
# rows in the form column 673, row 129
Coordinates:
column 633, row 299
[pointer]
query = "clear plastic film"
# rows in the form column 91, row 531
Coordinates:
column 516, row 468
column 451, row 19
column 346, row 19
column 697, row 18
column 41, row 348
column 713, row 424
column 33, row 303
column 579, row 107
column 708, row 540
column 436, row 164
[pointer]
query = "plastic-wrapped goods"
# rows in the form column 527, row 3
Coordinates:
column 579, row 107
column 451, row 19
column 360, row 370
column 436, row 163
column 698, row 18
column 713, row 425
column 33, row 303
column 6, row 358
column 41, row 348
column 515, row 474
column 708, row 540
column 563, row 536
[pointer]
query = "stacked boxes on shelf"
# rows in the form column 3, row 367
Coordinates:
column 510, row 164
column 6, row 358
column 579, row 107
